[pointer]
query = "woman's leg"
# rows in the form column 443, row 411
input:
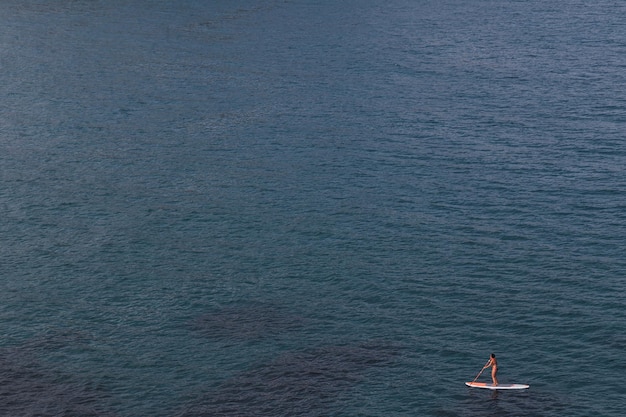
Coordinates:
column 494, row 371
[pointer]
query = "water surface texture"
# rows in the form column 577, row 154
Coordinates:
column 311, row 208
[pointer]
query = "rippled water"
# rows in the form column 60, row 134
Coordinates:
column 308, row 208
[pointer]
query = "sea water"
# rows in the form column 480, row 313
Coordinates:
column 312, row 208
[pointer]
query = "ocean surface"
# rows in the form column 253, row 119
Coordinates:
column 312, row 207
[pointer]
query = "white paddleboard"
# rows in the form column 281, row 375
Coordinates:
column 499, row 386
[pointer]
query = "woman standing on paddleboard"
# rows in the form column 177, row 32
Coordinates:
column 494, row 368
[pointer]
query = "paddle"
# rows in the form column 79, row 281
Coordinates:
column 481, row 371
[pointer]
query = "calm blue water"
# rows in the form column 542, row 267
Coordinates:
column 312, row 208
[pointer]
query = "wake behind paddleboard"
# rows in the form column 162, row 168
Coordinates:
column 499, row 386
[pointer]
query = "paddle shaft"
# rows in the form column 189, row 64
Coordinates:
column 481, row 371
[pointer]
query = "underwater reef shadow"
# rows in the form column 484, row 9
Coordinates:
column 302, row 383
column 252, row 320
column 29, row 388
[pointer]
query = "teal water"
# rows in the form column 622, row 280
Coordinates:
column 286, row 208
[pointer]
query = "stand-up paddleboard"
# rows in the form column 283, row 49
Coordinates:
column 499, row 386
